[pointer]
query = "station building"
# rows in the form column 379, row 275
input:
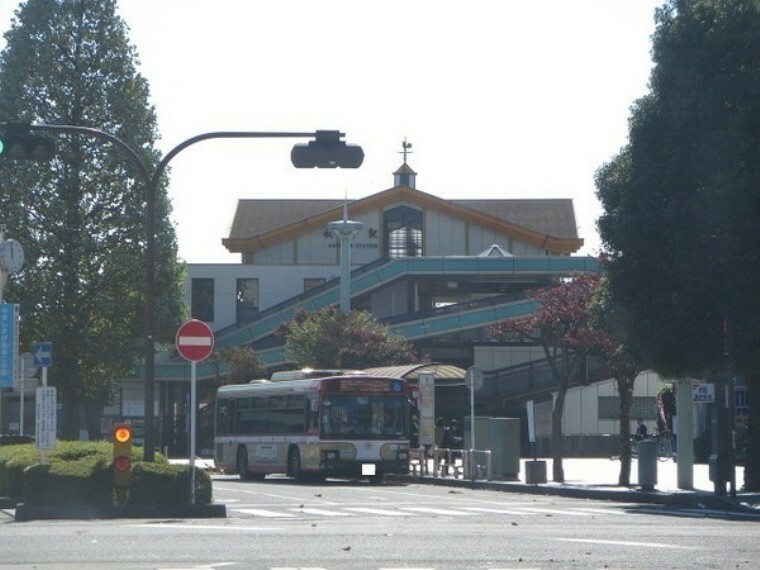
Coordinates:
column 439, row 272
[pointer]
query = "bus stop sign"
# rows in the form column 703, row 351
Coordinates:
column 195, row 341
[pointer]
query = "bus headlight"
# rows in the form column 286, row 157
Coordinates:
column 332, row 455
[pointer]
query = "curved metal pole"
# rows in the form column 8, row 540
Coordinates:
column 151, row 186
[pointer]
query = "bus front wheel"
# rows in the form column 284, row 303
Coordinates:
column 294, row 464
column 242, row 464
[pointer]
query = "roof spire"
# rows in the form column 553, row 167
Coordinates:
column 405, row 176
column 405, row 146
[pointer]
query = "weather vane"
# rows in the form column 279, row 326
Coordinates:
column 406, row 146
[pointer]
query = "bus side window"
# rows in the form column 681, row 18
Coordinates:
column 312, row 412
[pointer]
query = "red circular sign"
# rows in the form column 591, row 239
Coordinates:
column 195, row 341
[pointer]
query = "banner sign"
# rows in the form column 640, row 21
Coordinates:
column 8, row 343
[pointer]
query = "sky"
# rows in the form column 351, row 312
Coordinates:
column 500, row 99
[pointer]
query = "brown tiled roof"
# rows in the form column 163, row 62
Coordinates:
column 551, row 217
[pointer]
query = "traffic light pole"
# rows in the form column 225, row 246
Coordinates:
column 326, row 151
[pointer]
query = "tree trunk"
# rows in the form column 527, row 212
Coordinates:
column 625, row 389
column 752, row 463
column 558, row 472
column 93, row 414
column 71, row 409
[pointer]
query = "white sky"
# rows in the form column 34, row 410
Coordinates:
column 500, row 98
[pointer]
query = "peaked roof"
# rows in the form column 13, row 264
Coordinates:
column 549, row 223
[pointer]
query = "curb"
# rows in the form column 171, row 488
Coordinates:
column 695, row 499
column 51, row 512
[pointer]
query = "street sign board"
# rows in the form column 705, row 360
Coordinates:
column 195, row 341
column 474, row 378
column 45, row 418
column 8, row 343
column 43, row 354
column 703, row 393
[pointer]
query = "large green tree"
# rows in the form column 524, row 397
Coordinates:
column 330, row 339
column 80, row 218
column 681, row 200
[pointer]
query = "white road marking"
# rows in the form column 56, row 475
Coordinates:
column 498, row 511
column 383, row 512
column 627, row 543
column 431, row 511
column 322, row 512
column 265, row 513
column 553, row 512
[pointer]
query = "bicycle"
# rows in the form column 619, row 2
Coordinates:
column 665, row 449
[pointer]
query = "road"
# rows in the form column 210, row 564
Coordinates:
column 278, row 524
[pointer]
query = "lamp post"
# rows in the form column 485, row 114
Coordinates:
column 325, row 151
column 344, row 231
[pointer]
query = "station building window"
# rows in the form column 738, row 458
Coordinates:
column 202, row 299
column 403, row 232
column 247, row 299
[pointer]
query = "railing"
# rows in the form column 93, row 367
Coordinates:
column 474, row 464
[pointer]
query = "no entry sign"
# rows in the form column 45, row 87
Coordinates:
column 195, row 341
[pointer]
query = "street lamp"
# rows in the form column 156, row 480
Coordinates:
column 327, row 150
column 344, row 231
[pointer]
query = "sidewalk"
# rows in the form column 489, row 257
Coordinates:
column 598, row 478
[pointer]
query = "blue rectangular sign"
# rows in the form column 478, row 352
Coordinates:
column 43, row 353
column 8, row 343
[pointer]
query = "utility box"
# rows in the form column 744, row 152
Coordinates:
column 502, row 437
column 647, row 464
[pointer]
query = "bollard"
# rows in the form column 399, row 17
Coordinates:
column 647, row 464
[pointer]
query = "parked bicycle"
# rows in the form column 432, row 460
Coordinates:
column 665, row 448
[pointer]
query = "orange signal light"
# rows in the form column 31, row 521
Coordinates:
column 122, row 434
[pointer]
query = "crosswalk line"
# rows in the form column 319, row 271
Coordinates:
column 497, row 511
column 431, row 511
column 383, row 512
column 554, row 512
column 322, row 512
column 265, row 513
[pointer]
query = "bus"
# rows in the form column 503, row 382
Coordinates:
column 347, row 426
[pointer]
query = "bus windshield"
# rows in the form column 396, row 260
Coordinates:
column 363, row 416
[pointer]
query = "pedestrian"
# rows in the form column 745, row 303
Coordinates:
column 440, row 432
column 641, row 430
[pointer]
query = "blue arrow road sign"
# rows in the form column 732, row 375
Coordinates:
column 43, row 353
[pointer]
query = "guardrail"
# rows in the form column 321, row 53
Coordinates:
column 473, row 464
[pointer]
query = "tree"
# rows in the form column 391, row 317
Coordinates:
column 331, row 339
column 243, row 364
column 681, row 203
column 80, row 217
column 623, row 366
column 561, row 326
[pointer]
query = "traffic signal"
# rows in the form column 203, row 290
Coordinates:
column 18, row 143
column 122, row 458
column 327, row 151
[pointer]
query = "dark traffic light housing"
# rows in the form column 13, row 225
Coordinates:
column 327, row 151
column 17, row 142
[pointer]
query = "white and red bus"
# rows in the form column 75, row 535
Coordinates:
column 337, row 426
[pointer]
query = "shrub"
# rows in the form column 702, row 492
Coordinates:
column 13, row 460
column 164, row 484
column 83, row 481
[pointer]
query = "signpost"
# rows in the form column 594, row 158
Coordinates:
column 46, row 419
column 27, row 369
column 195, row 342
